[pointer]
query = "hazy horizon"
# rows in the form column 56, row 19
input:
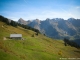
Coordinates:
column 40, row 9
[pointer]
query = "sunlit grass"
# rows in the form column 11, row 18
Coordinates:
column 32, row 48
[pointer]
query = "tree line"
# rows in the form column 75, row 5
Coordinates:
column 15, row 24
column 71, row 43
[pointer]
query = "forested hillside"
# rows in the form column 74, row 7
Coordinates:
column 33, row 47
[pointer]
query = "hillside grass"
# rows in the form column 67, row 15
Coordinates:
column 32, row 48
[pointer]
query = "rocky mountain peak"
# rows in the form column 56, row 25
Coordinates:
column 22, row 21
column 57, row 27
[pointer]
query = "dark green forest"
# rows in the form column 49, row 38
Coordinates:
column 15, row 24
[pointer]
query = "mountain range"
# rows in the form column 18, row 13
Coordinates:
column 56, row 28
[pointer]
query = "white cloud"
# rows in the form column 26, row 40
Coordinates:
column 50, row 14
column 78, row 7
column 42, row 14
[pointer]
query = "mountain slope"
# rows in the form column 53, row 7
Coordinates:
column 32, row 48
column 22, row 21
column 58, row 28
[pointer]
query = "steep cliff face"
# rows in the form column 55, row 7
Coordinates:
column 35, row 24
column 22, row 21
column 58, row 27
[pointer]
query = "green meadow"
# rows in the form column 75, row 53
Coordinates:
column 32, row 47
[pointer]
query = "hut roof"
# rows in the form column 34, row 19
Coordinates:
column 15, row 35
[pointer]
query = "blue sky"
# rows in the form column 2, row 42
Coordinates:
column 40, row 9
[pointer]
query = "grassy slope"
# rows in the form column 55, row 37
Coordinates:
column 32, row 48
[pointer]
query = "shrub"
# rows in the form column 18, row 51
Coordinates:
column 60, row 53
column 33, row 35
